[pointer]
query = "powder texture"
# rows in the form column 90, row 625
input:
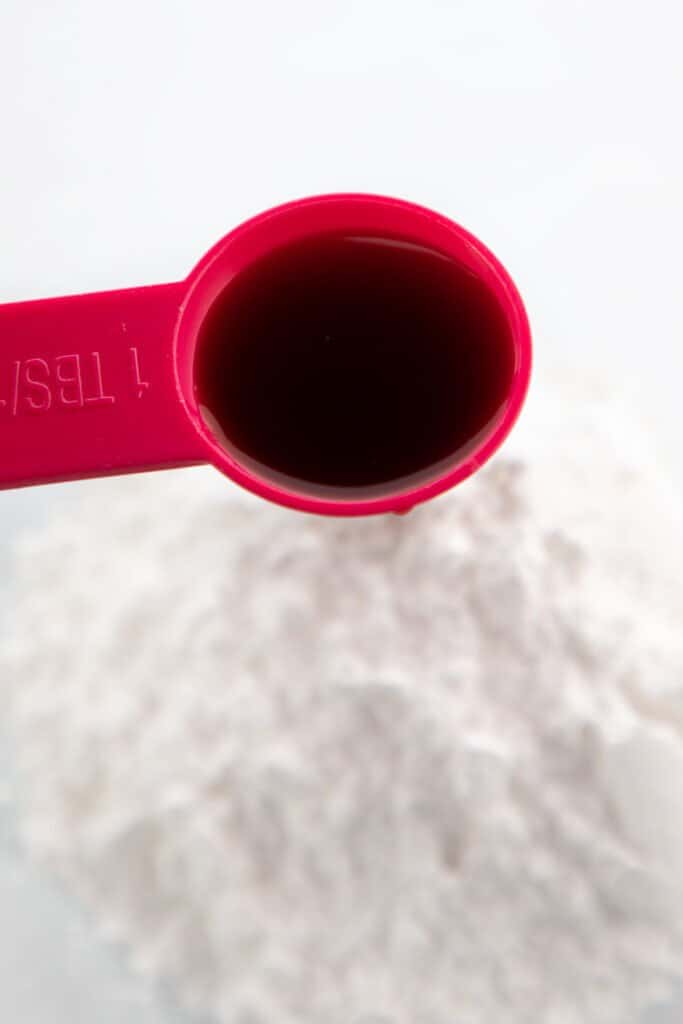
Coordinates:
column 406, row 770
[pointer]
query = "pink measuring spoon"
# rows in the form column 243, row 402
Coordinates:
column 107, row 383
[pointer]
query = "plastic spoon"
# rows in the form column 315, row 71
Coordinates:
column 106, row 383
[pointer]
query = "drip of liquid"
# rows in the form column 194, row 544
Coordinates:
column 353, row 366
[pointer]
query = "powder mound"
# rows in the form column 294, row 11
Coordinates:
column 406, row 770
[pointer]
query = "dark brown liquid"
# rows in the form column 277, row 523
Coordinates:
column 353, row 366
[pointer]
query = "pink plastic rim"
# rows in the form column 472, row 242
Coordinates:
column 361, row 214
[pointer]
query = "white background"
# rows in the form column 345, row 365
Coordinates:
column 133, row 135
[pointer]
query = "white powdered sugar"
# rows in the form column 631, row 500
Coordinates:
column 403, row 770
